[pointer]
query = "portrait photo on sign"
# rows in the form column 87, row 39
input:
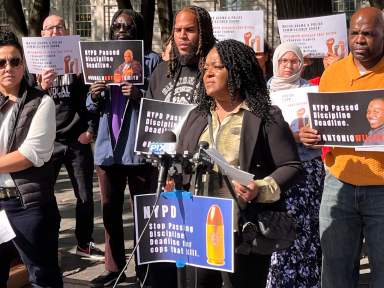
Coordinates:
column 112, row 61
column 349, row 119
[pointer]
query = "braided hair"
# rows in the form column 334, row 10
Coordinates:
column 245, row 79
column 206, row 38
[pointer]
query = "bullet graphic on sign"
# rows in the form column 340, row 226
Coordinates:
column 215, row 236
column 256, row 46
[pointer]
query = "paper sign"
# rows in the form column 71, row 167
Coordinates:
column 243, row 26
column 294, row 105
column 60, row 53
column 316, row 36
column 6, row 231
column 233, row 173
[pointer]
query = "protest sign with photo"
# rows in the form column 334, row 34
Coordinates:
column 294, row 105
column 197, row 231
column 113, row 61
column 60, row 53
column 316, row 36
column 349, row 119
column 243, row 26
column 157, row 117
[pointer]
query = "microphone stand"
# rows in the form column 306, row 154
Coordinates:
column 169, row 166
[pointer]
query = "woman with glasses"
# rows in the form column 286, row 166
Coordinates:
column 116, row 162
column 300, row 265
column 27, row 133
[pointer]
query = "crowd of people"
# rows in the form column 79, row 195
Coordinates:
column 48, row 120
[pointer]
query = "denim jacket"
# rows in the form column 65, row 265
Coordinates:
column 106, row 153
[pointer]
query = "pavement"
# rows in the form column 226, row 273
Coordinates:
column 78, row 271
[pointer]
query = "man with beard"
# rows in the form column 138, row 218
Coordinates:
column 352, row 205
column 192, row 38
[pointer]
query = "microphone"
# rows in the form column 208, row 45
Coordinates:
column 165, row 144
column 203, row 145
column 203, row 164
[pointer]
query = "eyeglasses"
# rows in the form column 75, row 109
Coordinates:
column 57, row 27
column 13, row 62
column 121, row 25
column 285, row 62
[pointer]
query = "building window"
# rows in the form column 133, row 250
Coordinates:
column 178, row 4
column 110, row 8
column 3, row 17
column 347, row 6
column 83, row 19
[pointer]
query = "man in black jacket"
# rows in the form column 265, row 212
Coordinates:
column 176, row 80
column 74, row 132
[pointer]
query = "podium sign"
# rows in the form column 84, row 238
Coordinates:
column 197, row 231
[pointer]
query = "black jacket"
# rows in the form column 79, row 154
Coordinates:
column 275, row 156
column 35, row 184
column 72, row 117
column 163, row 88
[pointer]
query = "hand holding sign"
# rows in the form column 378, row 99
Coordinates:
column 130, row 91
column 96, row 89
column 46, row 78
column 309, row 136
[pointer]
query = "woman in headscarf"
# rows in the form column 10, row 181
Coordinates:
column 300, row 265
column 234, row 115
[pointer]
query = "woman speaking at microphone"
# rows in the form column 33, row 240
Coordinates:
column 235, row 116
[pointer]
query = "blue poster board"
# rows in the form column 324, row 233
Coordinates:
column 197, row 231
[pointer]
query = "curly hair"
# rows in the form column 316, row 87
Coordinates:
column 206, row 38
column 245, row 78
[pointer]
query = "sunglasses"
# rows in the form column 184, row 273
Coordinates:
column 13, row 62
column 121, row 25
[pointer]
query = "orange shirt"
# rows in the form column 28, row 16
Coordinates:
column 346, row 164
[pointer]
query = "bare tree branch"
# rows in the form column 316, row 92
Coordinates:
column 164, row 9
column 124, row 4
column 38, row 12
column 148, row 12
column 16, row 17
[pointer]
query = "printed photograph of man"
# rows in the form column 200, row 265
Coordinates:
column 375, row 117
column 130, row 70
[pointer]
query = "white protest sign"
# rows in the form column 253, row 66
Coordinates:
column 294, row 105
column 316, row 36
column 6, row 231
column 60, row 53
column 243, row 26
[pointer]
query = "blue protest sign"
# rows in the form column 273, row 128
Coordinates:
column 196, row 230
